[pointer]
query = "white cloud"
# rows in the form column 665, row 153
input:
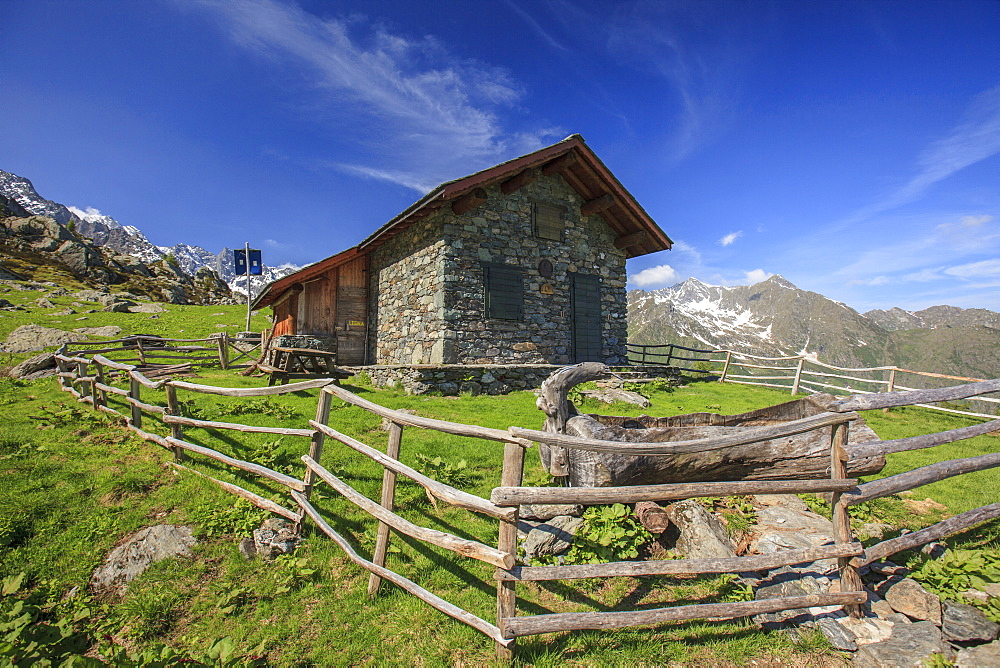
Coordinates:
column 426, row 114
column 84, row 213
column 663, row 274
column 756, row 276
column 730, row 238
column 975, row 221
column 983, row 269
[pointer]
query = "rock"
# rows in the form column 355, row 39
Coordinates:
column 909, row 598
column 109, row 331
column 6, row 304
column 90, row 295
column 144, row 547
column 976, row 595
column 546, row 511
column 702, row 535
column 146, row 308
column 784, row 528
column 992, row 589
column 875, row 530
column 248, row 548
column 785, row 500
column 610, row 396
column 552, row 537
column 839, row 636
column 977, row 657
column 29, row 338
column 866, row 631
column 42, row 302
column 68, row 311
column 274, row 538
column 121, row 306
column 964, row 623
column 32, row 365
column 788, row 581
column 909, row 646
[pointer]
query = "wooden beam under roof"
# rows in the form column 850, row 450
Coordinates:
column 560, row 164
column 598, row 204
column 469, row 201
column 633, row 239
column 518, row 181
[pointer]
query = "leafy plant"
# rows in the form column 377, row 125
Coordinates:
column 292, row 572
column 39, row 630
column 270, row 454
column 608, row 533
column 737, row 512
column 957, row 571
column 266, row 406
column 149, row 612
column 733, row 590
column 456, row 475
column 239, row 519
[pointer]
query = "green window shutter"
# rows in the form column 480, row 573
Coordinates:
column 504, row 292
column 548, row 221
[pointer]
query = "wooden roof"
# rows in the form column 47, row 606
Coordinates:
column 637, row 233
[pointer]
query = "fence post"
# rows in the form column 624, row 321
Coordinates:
column 388, row 497
column 725, row 367
column 892, row 385
column 135, row 392
column 86, row 386
column 670, row 354
column 142, row 354
column 176, row 431
column 512, row 476
column 798, row 376
column 223, row 343
column 850, row 579
column 100, row 396
column 315, row 448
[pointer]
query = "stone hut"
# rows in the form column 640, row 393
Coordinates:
column 521, row 263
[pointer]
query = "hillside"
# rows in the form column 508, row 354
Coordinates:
column 775, row 318
column 107, row 233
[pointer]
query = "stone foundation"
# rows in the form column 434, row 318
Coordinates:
column 493, row 379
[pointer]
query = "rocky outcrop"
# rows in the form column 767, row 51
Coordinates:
column 142, row 549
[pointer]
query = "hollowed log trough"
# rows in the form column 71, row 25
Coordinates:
column 797, row 457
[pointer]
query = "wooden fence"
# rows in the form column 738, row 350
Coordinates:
column 802, row 372
column 506, row 499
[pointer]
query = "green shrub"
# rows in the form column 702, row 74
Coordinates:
column 609, row 533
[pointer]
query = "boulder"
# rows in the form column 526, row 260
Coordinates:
column 909, row 646
column 546, row 511
column 552, row 537
column 964, row 623
column 143, row 548
column 839, row 636
column 107, row 331
column 6, row 304
column 275, row 537
column 977, row 657
column 29, row 338
column 787, row 528
column 34, row 365
column 118, row 306
column 702, row 535
column 146, row 308
column 611, row 396
column 911, row 599
column 788, row 581
column 42, row 302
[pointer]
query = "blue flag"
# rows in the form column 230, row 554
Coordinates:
column 256, row 264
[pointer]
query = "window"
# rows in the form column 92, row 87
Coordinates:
column 503, row 288
column 548, row 221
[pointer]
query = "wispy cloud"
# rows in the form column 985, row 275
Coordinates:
column 983, row 269
column 434, row 114
column 974, row 139
column 730, row 238
column 661, row 275
column 756, row 276
column 536, row 26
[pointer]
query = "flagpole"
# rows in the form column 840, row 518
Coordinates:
column 249, row 289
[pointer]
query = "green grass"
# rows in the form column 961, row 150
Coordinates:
column 72, row 485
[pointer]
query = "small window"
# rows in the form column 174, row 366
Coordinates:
column 503, row 287
column 548, row 223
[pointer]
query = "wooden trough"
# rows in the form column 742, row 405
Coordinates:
column 797, row 456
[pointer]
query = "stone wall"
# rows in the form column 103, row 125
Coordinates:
column 427, row 290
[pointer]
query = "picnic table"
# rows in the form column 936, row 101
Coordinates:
column 284, row 363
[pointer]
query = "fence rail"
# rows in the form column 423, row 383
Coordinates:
column 808, row 372
column 510, row 494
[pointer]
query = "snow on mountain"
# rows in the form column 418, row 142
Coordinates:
column 105, row 231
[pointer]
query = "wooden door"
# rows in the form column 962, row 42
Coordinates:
column 352, row 312
column 585, row 307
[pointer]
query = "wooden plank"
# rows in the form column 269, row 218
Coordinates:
column 517, row 496
column 455, row 428
column 698, row 445
column 560, row 164
column 149, row 436
column 469, row 201
column 255, row 499
column 446, row 493
column 235, row 426
column 922, row 476
column 250, row 467
column 756, row 562
column 861, row 450
column 511, row 474
column 133, row 398
column 427, row 597
column 113, row 390
column 147, row 407
column 146, row 382
column 886, row 400
column 633, row 239
column 518, row 181
column 850, row 579
column 599, row 204
column 930, row 534
column 463, row 546
column 574, row 621
column 252, row 391
column 100, row 359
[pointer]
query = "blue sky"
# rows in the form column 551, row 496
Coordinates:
column 850, row 147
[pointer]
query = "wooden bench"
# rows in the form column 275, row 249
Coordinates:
column 284, row 363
